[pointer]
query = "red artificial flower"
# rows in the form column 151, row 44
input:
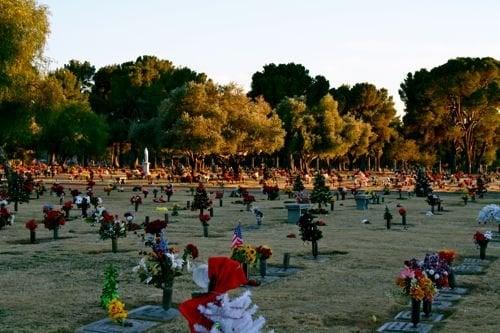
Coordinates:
column 248, row 198
column 479, row 237
column 108, row 218
column 31, row 225
column 447, row 255
column 219, row 195
column 402, row 211
column 193, row 250
column 204, row 218
column 53, row 218
column 68, row 205
column 155, row 227
column 90, row 183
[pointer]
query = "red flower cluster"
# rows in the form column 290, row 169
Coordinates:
column 192, row 250
column 58, row 189
column 68, row 205
column 4, row 212
column 402, row 211
column 264, row 252
column 204, row 218
column 155, row 227
column 447, row 255
column 90, row 183
column 31, row 225
column 219, row 194
column 480, row 238
column 53, row 219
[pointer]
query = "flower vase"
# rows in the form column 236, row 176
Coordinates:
column 415, row 312
column 32, row 236
column 403, row 219
column 482, row 250
column 205, row 230
column 315, row 249
column 263, row 267
column 167, row 298
column 451, row 279
column 427, row 307
column 114, row 245
column 136, row 207
column 388, row 224
column 66, row 214
column 220, row 202
column 244, row 266
column 56, row 232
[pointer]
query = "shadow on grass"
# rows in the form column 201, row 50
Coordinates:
column 38, row 240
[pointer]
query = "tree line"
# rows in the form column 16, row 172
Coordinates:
column 110, row 114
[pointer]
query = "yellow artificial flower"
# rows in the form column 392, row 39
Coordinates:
column 116, row 311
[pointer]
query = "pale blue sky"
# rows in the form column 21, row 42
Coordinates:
column 346, row 41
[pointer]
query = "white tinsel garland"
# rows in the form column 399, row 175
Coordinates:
column 489, row 213
column 231, row 315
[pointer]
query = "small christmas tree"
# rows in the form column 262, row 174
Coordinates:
column 19, row 191
column 422, row 186
column 321, row 193
column 110, row 287
column 298, row 185
column 201, row 200
column 309, row 232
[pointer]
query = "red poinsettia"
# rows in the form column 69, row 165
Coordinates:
column 402, row 211
column 53, row 219
column 192, row 250
column 204, row 218
column 31, row 225
column 155, row 227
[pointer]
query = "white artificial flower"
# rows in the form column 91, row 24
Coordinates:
column 489, row 213
column 488, row 235
column 148, row 279
column 175, row 262
column 431, row 272
column 142, row 264
column 436, row 276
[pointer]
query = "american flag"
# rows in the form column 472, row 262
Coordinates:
column 237, row 237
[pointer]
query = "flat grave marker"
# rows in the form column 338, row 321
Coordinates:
column 406, row 316
column 153, row 313
column 107, row 326
column 454, row 291
column 398, row 326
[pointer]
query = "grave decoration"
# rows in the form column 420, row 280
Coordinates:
column 482, row 239
column 437, row 270
column 169, row 191
column 19, row 188
column 112, row 228
column 465, row 196
column 31, row 225
column 68, row 205
column 145, row 192
column 298, row 185
column 481, row 188
column 53, row 220
column 433, row 200
column 489, row 213
column 320, row 194
column 259, row 215
column 110, row 286
column 422, row 186
column 136, row 201
column 161, row 265
column 58, row 189
column 387, row 217
column 248, row 199
column 217, row 278
column 201, row 200
column 90, row 184
column 246, row 255
column 117, row 312
column 272, row 191
column 402, row 212
column 109, row 188
column 449, row 257
column 129, row 221
column 309, row 231
column 6, row 217
column 415, row 284
column 204, row 218
column 264, row 252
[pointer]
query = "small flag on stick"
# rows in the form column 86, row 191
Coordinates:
column 237, row 237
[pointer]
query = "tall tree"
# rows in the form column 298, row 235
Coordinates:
column 454, row 108
column 373, row 106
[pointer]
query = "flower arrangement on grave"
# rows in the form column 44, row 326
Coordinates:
column 112, row 228
column 110, row 286
column 219, row 194
column 58, row 189
column 155, row 227
column 387, row 217
column 489, row 213
column 204, row 218
column 90, row 184
column 402, row 212
column 288, row 191
column 301, row 197
column 264, row 252
column 422, row 186
column 321, row 193
column 6, row 217
column 136, row 201
column 53, row 220
column 415, row 284
column 95, row 201
column 437, row 270
column 272, row 191
column 309, row 231
column 68, row 205
column 481, row 239
column 386, row 190
column 160, row 266
column 201, row 200
column 248, row 198
column 117, row 312
column 449, row 256
column 31, row 225
column 246, row 255
column 145, row 192
column 190, row 251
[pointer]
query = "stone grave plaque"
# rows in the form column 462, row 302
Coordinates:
column 467, row 269
column 107, row 326
column 448, row 297
column 454, row 291
column 265, row 280
column 153, row 313
column 406, row 316
column 399, row 326
column 439, row 305
column 280, row 272
column 474, row 261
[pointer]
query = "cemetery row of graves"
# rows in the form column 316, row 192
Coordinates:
column 106, row 244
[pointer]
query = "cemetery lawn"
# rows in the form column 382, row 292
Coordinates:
column 54, row 286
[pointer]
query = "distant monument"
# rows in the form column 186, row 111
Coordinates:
column 145, row 164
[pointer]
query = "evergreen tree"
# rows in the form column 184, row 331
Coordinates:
column 18, row 190
column 298, row 185
column 309, row 231
column 321, row 192
column 201, row 199
column 110, row 287
column 422, row 186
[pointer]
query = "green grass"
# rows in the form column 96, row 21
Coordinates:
column 54, row 286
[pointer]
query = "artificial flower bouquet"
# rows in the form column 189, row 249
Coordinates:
column 414, row 282
column 437, row 270
column 447, row 255
column 482, row 238
column 245, row 254
column 264, row 252
column 204, row 218
column 6, row 217
column 53, row 219
column 111, row 227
